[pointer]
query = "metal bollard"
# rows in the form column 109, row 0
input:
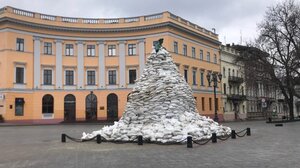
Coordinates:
column 248, row 132
column 233, row 135
column 63, row 138
column 189, row 143
column 140, row 140
column 214, row 138
column 98, row 139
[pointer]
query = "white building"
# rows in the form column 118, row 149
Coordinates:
column 234, row 98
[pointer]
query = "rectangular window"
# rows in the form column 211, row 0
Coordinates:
column 193, row 52
column 112, row 77
column 69, row 77
column 47, row 48
column 132, row 76
column 47, row 77
column 91, row 50
column 186, row 75
column 224, row 72
column 184, row 50
column 194, row 77
column 131, row 49
column 176, row 47
column 202, row 78
column 91, row 77
column 210, row 105
column 201, row 54
column 111, row 50
column 208, row 57
column 215, row 58
column 19, row 106
column 20, row 44
column 20, row 75
column 228, row 72
column 224, row 88
column 69, row 49
column 203, row 104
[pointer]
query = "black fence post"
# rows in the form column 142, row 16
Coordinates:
column 214, row 138
column 233, row 134
column 248, row 132
column 140, row 140
column 189, row 143
column 63, row 138
column 98, row 139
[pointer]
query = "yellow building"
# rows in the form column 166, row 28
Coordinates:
column 55, row 68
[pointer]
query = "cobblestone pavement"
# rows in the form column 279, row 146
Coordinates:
column 40, row 147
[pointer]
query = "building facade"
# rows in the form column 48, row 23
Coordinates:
column 234, row 96
column 57, row 69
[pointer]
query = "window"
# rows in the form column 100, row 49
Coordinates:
column 47, row 77
column 228, row 72
column 131, row 49
column 20, row 75
column 194, row 77
column 233, row 72
column 215, row 58
column 184, row 50
column 112, row 77
column 224, row 72
column 201, row 54
column 91, row 50
column 186, row 75
column 69, row 49
column 224, row 87
column 48, row 104
column 20, row 44
column 69, row 77
column 132, row 76
column 193, row 52
column 203, row 103
column 202, row 78
column 47, row 48
column 210, row 106
column 19, row 106
column 91, row 77
column 208, row 57
column 111, row 50
column 176, row 47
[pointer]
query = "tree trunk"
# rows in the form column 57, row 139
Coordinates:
column 291, row 108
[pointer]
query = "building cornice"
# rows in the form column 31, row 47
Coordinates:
column 109, row 30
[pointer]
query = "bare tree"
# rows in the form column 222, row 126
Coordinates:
column 277, row 49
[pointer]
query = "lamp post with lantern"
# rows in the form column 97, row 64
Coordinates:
column 215, row 78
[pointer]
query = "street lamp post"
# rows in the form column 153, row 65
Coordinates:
column 215, row 78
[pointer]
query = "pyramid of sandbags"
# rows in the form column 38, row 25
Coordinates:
column 161, row 108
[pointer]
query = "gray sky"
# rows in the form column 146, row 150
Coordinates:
column 231, row 18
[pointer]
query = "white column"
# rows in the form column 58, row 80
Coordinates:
column 101, row 64
column 58, row 69
column 141, row 55
column 122, row 66
column 80, row 65
column 36, row 62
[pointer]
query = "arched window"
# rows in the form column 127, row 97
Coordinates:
column 48, row 104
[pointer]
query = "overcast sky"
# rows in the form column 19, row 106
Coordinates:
column 232, row 19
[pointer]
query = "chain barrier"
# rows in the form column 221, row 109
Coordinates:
column 237, row 134
column 224, row 139
column 140, row 140
column 203, row 141
column 241, row 131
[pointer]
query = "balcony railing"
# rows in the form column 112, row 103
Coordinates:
column 236, row 97
column 235, row 79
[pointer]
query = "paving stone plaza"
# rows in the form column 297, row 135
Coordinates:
column 40, row 146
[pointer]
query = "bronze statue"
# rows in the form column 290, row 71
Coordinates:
column 158, row 45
